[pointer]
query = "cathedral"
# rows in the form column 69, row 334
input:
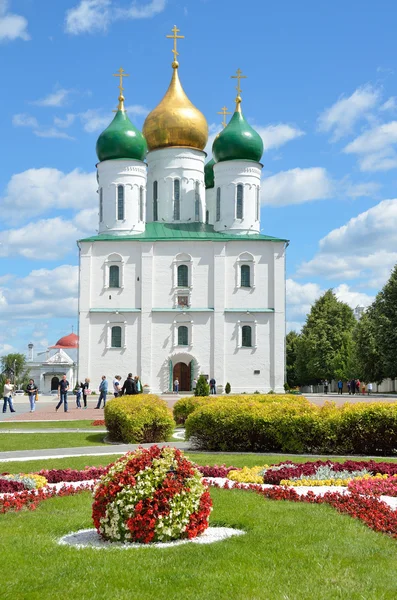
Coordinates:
column 180, row 281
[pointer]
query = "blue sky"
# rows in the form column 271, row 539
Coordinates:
column 321, row 89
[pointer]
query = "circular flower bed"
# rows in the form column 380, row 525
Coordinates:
column 151, row 495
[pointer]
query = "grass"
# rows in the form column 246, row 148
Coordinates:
column 32, row 441
column 290, row 551
column 49, row 425
column 237, row 460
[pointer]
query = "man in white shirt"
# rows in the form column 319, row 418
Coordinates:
column 7, row 395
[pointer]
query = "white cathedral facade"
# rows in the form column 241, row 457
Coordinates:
column 179, row 280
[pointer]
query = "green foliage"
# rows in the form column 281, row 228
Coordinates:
column 228, row 388
column 184, row 407
column 369, row 364
column 293, row 425
column 291, row 348
column 13, row 366
column 383, row 312
column 138, row 419
column 324, row 348
column 202, row 387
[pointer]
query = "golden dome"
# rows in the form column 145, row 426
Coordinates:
column 175, row 121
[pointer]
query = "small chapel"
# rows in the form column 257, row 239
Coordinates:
column 180, row 281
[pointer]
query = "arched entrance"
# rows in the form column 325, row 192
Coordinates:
column 182, row 372
column 54, row 383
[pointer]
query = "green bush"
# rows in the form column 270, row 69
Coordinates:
column 138, row 419
column 202, row 387
column 294, row 426
column 228, row 388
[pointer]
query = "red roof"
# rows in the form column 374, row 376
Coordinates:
column 67, row 341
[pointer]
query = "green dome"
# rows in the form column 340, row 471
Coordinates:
column 209, row 174
column 238, row 141
column 121, row 140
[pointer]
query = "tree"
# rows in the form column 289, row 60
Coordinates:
column 202, row 387
column 324, row 348
column 368, row 360
column 291, row 349
column 13, row 366
column 384, row 314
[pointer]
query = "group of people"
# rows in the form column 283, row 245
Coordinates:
column 211, row 383
column 8, row 390
column 353, row 387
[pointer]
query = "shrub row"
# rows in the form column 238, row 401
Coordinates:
column 138, row 419
column 294, row 426
column 187, row 405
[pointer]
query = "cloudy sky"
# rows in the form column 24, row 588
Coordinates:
column 321, row 89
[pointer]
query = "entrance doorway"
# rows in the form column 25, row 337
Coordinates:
column 182, row 373
column 54, row 383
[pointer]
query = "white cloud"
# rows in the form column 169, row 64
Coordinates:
column 90, row 16
column 352, row 297
column 37, row 191
column 364, row 248
column 43, row 294
column 66, row 122
column 374, row 140
column 12, row 26
column 296, row 186
column 379, row 161
column 359, row 190
column 341, row 117
column 274, row 136
column 57, row 98
column 53, row 132
column 97, row 120
column 24, row 120
column 390, row 104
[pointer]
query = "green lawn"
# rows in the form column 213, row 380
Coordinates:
column 83, row 424
column 32, row 441
column 79, row 462
column 290, row 551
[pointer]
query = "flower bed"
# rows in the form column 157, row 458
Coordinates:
column 22, row 481
column 98, row 423
column 380, row 485
column 67, row 475
column 151, row 495
column 32, row 498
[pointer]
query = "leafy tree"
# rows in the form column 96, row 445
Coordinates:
column 202, row 387
column 291, row 349
column 325, row 345
column 384, row 314
column 13, row 366
column 368, row 360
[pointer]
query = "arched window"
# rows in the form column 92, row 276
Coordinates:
column 218, row 204
column 239, row 202
column 183, row 276
column 197, row 202
column 246, row 336
column 120, row 203
column 155, row 203
column 100, row 205
column 183, row 336
column 116, row 337
column 258, row 203
column 177, row 200
column 141, row 203
column 207, row 217
column 114, row 276
column 245, row 276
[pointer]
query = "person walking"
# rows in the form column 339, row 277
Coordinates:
column 363, row 389
column 7, row 396
column 353, row 386
column 369, row 388
column 31, row 390
column 340, row 387
column 78, row 391
column 85, row 387
column 348, row 387
column 63, row 388
column 358, row 386
column 129, row 386
column 326, row 384
column 138, row 385
column 176, row 386
column 116, row 385
column 103, row 390
column 212, row 386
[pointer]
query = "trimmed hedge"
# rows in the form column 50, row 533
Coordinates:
column 294, row 426
column 185, row 406
column 138, row 419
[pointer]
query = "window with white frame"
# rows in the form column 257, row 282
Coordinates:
column 155, row 201
column 247, row 333
column 116, row 334
column 177, row 200
column 115, row 339
column 218, row 204
column 100, row 205
column 120, row 203
column 183, row 335
column 182, row 274
column 197, row 207
column 239, row 201
column 141, row 203
column 114, row 271
column 245, row 271
column 182, row 331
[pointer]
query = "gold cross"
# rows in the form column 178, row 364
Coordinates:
column 224, row 112
column 238, row 76
column 121, row 73
column 175, row 37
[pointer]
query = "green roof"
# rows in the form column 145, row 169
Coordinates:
column 168, row 232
